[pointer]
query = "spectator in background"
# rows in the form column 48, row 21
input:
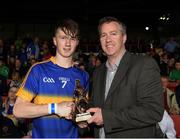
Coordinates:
column 8, row 110
column 171, row 64
column 175, row 73
column 170, row 103
column 171, row 46
column 45, row 53
column 19, row 68
column 18, row 43
column 82, row 66
column 164, row 64
column 12, row 51
column 15, row 79
column 9, row 104
column 99, row 60
column 4, row 70
column 22, row 55
column 33, row 48
column 7, row 127
column 92, row 64
column 167, row 126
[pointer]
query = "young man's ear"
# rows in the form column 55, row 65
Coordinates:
column 54, row 41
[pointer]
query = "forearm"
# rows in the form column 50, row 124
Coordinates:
column 23, row 109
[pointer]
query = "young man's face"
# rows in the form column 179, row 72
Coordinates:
column 66, row 45
column 112, row 39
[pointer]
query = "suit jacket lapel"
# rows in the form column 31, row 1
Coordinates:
column 120, row 73
column 103, row 83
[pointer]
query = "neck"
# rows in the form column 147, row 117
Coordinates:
column 113, row 59
column 63, row 62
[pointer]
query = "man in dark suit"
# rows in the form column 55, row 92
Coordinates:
column 127, row 92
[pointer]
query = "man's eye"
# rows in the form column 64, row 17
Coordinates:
column 113, row 33
column 103, row 35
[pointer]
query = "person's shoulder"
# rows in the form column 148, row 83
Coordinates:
column 170, row 92
column 100, row 68
column 40, row 63
column 141, row 58
column 143, row 61
column 79, row 70
column 39, row 66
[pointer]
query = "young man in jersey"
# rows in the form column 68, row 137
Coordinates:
column 47, row 90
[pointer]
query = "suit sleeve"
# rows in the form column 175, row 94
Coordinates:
column 148, row 108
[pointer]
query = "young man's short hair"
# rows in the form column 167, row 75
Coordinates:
column 69, row 27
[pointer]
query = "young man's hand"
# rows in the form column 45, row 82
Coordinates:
column 65, row 109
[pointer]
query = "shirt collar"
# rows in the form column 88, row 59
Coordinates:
column 114, row 67
column 52, row 59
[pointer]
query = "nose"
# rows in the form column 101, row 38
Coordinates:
column 68, row 42
column 108, row 38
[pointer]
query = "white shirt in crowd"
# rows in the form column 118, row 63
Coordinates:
column 167, row 126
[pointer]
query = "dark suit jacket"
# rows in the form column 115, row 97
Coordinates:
column 134, row 103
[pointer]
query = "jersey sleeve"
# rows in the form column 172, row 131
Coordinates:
column 28, row 89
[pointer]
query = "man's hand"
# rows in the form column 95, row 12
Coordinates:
column 65, row 109
column 97, row 117
column 82, row 124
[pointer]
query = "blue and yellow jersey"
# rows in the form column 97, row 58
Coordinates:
column 46, row 82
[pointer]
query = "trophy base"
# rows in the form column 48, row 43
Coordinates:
column 82, row 117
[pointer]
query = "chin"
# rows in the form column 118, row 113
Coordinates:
column 110, row 54
column 67, row 56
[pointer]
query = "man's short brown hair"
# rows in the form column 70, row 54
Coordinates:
column 109, row 19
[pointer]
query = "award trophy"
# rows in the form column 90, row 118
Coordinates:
column 81, row 103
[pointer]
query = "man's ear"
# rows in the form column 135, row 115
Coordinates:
column 124, row 38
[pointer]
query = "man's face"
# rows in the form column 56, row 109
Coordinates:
column 164, row 82
column 66, row 45
column 112, row 39
column 177, row 65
